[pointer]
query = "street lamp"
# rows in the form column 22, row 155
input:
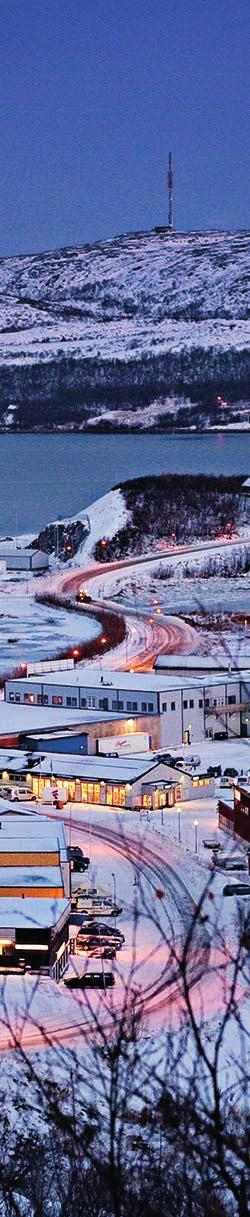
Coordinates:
column 179, row 810
column 195, row 823
column 114, row 893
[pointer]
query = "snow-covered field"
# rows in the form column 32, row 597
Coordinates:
column 31, row 631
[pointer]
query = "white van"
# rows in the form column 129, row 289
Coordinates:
column 22, row 794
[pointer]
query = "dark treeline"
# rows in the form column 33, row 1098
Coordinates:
column 176, row 508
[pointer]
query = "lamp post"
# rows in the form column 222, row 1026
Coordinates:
column 114, row 894
column 195, row 823
column 179, row 810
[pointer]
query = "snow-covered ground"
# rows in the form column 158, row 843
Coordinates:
column 31, row 631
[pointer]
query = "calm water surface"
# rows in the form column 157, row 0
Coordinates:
column 44, row 476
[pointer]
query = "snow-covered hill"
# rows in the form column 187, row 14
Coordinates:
column 149, row 319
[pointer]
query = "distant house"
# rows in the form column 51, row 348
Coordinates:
column 16, row 558
column 245, row 489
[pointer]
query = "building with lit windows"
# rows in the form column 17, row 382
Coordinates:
column 173, row 709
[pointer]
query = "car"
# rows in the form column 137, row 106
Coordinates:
column 91, row 980
column 77, row 858
column 101, row 951
column 92, row 928
column 83, row 597
column 210, row 844
column 95, row 946
column 214, row 771
column 236, row 889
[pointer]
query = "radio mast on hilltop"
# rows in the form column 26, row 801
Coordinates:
column 170, row 192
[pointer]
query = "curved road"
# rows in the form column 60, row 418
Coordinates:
column 148, row 633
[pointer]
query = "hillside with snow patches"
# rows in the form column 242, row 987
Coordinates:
column 130, row 330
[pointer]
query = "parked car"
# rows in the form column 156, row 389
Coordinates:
column 76, row 857
column 214, row 771
column 236, row 889
column 98, row 951
column 109, row 931
column 91, row 980
column 232, row 861
column 94, row 946
column 209, row 843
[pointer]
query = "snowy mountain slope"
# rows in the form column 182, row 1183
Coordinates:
column 122, row 323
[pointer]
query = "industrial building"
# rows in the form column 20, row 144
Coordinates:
column 16, row 558
column 172, row 709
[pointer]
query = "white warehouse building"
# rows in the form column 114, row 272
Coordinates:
column 17, row 558
column 172, row 709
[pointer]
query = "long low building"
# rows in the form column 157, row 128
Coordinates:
column 176, row 709
column 125, row 782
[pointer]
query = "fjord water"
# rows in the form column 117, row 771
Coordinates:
column 46, row 476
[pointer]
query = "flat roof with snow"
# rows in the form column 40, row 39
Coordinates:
column 94, row 768
column 31, row 912
column 17, row 834
column 93, row 678
column 204, row 663
column 17, row 718
column 13, row 876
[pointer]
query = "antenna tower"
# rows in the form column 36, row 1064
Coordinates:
column 170, row 192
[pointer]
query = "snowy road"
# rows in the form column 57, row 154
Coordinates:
column 147, row 633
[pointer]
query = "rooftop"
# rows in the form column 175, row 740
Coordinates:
column 94, row 768
column 31, row 912
column 19, row 718
column 207, row 663
column 13, row 876
column 37, row 833
column 92, row 678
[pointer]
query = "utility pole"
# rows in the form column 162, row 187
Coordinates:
column 170, row 192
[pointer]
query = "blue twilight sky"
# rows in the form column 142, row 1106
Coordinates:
column 94, row 93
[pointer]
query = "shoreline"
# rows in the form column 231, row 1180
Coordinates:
column 190, row 432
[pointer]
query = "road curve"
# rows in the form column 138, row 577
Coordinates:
column 153, row 633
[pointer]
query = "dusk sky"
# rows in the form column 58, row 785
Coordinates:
column 93, row 95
